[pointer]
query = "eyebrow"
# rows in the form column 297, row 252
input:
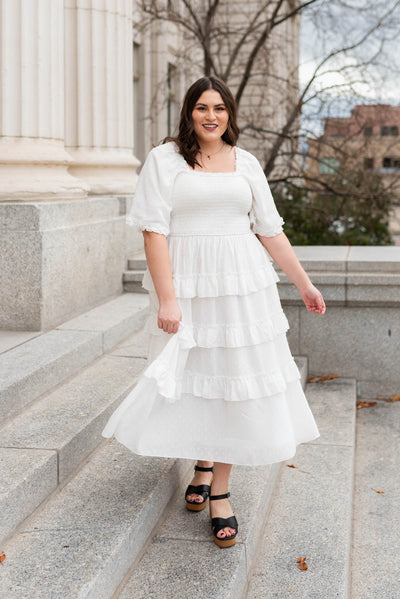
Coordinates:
column 202, row 104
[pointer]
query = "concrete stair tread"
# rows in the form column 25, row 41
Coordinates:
column 137, row 262
column 113, row 318
column 133, row 275
column 36, row 366
column 86, row 537
column 311, row 512
column 28, row 477
column 132, row 281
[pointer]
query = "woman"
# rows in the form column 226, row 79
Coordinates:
column 222, row 386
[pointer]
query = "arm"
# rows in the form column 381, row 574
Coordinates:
column 159, row 264
column 283, row 254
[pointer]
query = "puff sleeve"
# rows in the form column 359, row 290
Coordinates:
column 264, row 216
column 151, row 206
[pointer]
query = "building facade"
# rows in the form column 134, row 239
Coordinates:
column 86, row 92
column 368, row 140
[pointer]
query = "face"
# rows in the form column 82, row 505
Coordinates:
column 210, row 116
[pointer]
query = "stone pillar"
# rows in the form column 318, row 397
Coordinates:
column 60, row 258
column 99, row 88
column 33, row 161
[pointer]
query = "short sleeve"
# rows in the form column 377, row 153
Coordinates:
column 264, row 216
column 151, row 207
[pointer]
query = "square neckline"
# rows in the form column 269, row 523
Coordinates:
column 234, row 172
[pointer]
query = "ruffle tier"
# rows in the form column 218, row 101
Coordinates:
column 217, row 265
column 228, row 321
column 250, row 433
column 236, row 374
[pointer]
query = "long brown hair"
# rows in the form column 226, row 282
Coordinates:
column 186, row 139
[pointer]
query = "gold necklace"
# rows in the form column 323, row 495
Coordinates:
column 210, row 155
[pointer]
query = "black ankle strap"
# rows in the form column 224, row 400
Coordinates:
column 223, row 496
column 203, row 468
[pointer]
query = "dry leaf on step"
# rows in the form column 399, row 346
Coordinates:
column 321, row 379
column 365, row 404
column 301, row 563
column 391, row 399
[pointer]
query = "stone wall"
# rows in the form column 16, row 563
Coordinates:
column 359, row 335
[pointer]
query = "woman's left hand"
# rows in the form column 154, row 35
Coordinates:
column 313, row 299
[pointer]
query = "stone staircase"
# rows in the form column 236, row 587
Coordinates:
column 84, row 517
column 132, row 277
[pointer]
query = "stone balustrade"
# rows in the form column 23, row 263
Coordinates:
column 359, row 335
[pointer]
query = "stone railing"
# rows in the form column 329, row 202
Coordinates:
column 359, row 335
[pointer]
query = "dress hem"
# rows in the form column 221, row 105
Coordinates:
column 211, row 458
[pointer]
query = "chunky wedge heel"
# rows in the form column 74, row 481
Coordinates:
column 203, row 490
column 218, row 524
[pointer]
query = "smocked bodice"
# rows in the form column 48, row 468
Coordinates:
column 210, row 204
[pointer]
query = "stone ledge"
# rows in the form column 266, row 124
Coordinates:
column 348, row 276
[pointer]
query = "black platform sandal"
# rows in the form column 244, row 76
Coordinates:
column 218, row 524
column 203, row 490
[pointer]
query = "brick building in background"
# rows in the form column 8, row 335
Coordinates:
column 368, row 140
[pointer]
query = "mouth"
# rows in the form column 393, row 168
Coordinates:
column 210, row 127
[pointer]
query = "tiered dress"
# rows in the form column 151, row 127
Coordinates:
column 225, row 387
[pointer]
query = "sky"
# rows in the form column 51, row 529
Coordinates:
column 368, row 73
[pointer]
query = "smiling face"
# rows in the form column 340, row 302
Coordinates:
column 210, row 117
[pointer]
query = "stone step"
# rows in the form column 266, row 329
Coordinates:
column 375, row 560
column 65, row 425
column 311, row 513
column 36, row 366
column 137, row 262
column 132, row 280
column 28, row 477
column 84, row 539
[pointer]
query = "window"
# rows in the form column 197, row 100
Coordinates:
column 387, row 131
column 328, row 166
column 368, row 131
column 368, row 164
column 390, row 162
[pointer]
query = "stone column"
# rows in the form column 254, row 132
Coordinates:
column 99, row 88
column 33, row 161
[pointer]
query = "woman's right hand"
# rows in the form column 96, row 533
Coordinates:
column 169, row 316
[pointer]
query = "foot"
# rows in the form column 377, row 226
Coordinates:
column 220, row 508
column 200, row 478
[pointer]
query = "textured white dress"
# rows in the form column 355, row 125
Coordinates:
column 225, row 387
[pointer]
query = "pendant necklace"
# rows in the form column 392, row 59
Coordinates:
column 210, row 155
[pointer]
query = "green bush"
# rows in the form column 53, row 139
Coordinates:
column 353, row 211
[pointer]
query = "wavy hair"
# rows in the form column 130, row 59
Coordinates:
column 186, row 139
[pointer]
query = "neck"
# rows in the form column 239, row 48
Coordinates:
column 211, row 147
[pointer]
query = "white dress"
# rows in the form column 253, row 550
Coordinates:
column 225, row 387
